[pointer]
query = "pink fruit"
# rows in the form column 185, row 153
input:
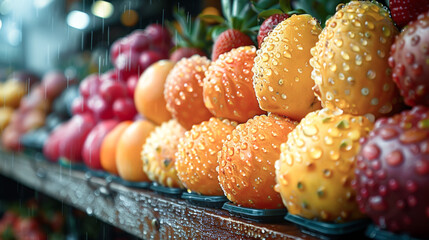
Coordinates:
column 159, row 36
column 92, row 145
column 89, row 85
column 124, row 109
column 127, row 62
column 79, row 106
column 100, row 108
column 392, row 173
column 139, row 41
column 132, row 84
column 112, row 90
column 53, row 84
column 148, row 57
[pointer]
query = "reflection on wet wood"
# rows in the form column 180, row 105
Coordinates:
column 142, row 213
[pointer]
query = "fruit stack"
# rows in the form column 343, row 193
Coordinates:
column 288, row 123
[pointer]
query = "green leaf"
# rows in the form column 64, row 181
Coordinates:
column 343, row 124
column 216, row 31
column 226, row 9
column 267, row 13
column 285, row 5
column 264, row 4
column 216, row 18
column 253, row 21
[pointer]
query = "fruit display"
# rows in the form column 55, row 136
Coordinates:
column 408, row 59
column 317, row 165
column 183, row 91
column 196, row 157
column 159, row 154
column 405, row 11
column 350, row 64
column 392, row 173
column 228, row 87
column 246, row 161
column 128, row 150
column 15, row 87
column 149, row 93
column 282, row 79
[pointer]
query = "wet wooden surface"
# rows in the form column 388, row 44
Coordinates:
column 141, row 212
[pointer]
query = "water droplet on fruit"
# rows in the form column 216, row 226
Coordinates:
column 316, row 153
column 283, row 96
column 345, row 55
column 287, row 54
column 265, row 57
column 310, row 130
column 381, row 53
column 327, row 173
column 374, row 101
column 364, row 91
column 333, row 67
column 377, row 203
column 358, row 60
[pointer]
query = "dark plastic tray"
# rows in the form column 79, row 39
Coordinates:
column 98, row 173
column 259, row 215
column 325, row 230
column 142, row 185
column 377, row 233
column 71, row 165
column 172, row 192
column 204, row 200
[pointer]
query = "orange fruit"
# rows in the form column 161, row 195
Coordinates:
column 184, row 91
column 149, row 93
column 196, row 159
column 228, row 86
column 246, row 161
column 128, row 151
column 108, row 147
column 158, row 155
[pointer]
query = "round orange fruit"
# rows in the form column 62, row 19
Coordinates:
column 184, row 91
column 149, row 93
column 108, row 147
column 128, row 151
column 158, row 155
column 246, row 161
column 196, row 158
column 228, row 86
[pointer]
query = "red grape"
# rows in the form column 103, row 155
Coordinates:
column 124, row 109
column 111, row 90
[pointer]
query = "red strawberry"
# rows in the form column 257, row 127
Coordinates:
column 186, row 52
column 268, row 25
column 405, row 11
column 229, row 40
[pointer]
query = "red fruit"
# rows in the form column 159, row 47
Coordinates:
column 89, row 85
column 159, row 36
column 138, row 41
column 119, row 46
column 132, row 84
column 405, row 11
column 228, row 40
column 71, row 137
column 79, row 106
column 92, row 145
column 186, row 52
column 127, row 62
column 268, row 25
column 53, row 83
column 25, row 225
column 124, row 109
column 51, row 148
column 112, row 90
column 100, row 108
column 408, row 59
column 149, row 57
column 392, row 173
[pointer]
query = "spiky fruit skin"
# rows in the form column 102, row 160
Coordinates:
column 229, row 40
column 405, row 11
column 392, row 174
column 268, row 25
column 196, row 158
column 317, row 165
column 183, row 91
column 350, row 61
column 228, row 89
column 408, row 58
column 246, row 161
column 186, row 52
column 282, row 71
column 159, row 154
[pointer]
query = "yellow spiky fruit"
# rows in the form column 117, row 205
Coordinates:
column 282, row 72
column 196, row 158
column 350, row 61
column 317, row 165
column 159, row 154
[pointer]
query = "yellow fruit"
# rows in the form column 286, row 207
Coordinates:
column 317, row 165
column 196, row 159
column 11, row 93
column 159, row 154
column 5, row 117
column 350, row 61
column 282, row 72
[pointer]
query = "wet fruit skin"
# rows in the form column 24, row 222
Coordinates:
column 282, row 71
column 317, row 165
column 228, row 87
column 183, row 91
column 268, row 25
column 350, row 61
column 229, row 40
column 409, row 57
column 196, row 158
column 246, row 161
column 392, row 174
column 159, row 154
